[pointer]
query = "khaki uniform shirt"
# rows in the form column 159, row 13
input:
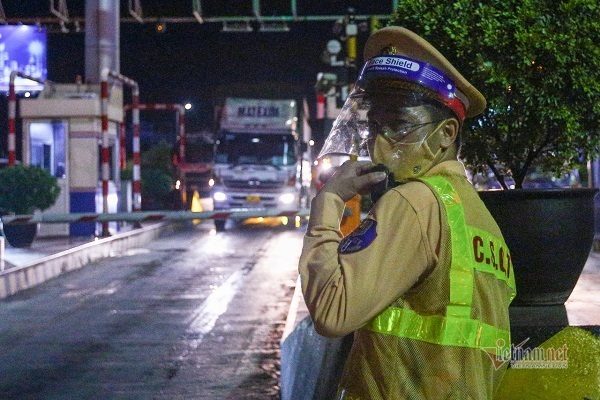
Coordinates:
column 345, row 291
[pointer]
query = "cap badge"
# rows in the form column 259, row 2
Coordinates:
column 389, row 50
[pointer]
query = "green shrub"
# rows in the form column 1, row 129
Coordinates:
column 24, row 189
column 156, row 185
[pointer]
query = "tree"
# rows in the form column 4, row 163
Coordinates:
column 158, row 174
column 160, row 157
column 538, row 64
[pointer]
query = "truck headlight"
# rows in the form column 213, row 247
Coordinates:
column 219, row 196
column 287, row 198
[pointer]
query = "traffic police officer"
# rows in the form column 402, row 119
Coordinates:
column 426, row 280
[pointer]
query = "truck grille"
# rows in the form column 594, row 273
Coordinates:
column 252, row 184
column 265, row 201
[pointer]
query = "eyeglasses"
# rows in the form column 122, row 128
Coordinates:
column 396, row 132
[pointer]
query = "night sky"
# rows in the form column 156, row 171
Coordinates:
column 199, row 64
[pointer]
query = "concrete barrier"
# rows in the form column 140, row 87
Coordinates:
column 1, row 253
column 19, row 278
column 311, row 365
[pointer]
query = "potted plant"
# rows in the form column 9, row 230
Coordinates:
column 23, row 190
column 537, row 62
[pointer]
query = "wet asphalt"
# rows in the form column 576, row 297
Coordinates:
column 194, row 315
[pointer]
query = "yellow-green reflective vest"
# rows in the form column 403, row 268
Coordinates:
column 472, row 249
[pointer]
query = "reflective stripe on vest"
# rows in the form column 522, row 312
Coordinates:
column 472, row 249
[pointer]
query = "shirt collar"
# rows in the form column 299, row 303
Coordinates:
column 451, row 166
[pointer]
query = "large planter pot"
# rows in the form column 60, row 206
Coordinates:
column 20, row 235
column 549, row 234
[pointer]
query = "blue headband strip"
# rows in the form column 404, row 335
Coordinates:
column 399, row 67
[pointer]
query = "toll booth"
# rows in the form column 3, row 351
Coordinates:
column 62, row 132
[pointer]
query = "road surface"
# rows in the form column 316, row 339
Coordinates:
column 194, row 315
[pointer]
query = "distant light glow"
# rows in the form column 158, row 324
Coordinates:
column 188, row 106
column 211, row 182
column 27, row 94
column 219, row 196
column 287, row 198
column 311, row 142
column 36, row 48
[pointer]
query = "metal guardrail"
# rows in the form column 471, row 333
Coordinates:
column 142, row 216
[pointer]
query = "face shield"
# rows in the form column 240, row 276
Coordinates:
column 350, row 131
column 393, row 84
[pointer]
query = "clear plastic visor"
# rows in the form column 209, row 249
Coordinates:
column 364, row 115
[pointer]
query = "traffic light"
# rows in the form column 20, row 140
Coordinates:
column 161, row 26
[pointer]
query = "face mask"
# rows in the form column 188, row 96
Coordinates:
column 407, row 160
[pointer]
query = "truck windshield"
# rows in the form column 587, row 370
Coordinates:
column 250, row 148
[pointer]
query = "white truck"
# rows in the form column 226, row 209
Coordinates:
column 257, row 156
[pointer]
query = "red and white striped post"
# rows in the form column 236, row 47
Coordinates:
column 12, row 122
column 106, row 73
column 137, row 176
column 181, row 116
column 104, row 154
column 136, row 107
column 320, row 106
column 12, row 114
column 180, row 109
column 122, row 155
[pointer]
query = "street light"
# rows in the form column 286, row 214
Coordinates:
column 188, row 106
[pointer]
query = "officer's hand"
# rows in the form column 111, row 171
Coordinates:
column 353, row 178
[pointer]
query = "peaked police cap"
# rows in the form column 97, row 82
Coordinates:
column 403, row 42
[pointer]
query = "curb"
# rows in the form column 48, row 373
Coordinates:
column 596, row 243
column 311, row 365
column 2, row 253
column 290, row 321
column 23, row 277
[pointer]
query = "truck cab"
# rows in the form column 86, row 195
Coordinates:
column 257, row 157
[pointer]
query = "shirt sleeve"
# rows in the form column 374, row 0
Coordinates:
column 344, row 290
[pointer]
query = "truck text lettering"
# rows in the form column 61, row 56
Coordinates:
column 257, row 111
